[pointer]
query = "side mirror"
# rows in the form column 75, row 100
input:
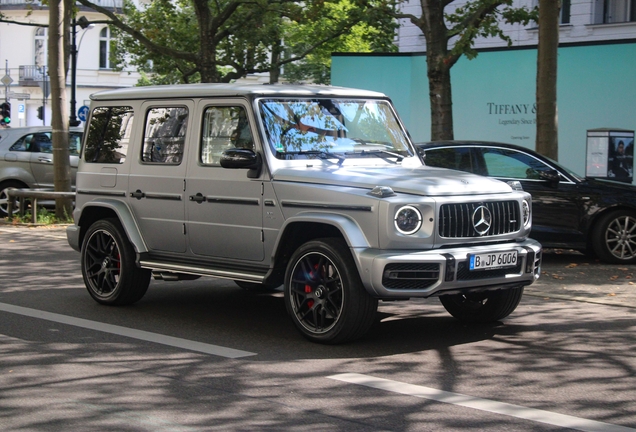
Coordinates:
column 551, row 176
column 242, row 159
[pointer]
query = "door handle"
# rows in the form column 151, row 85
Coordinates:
column 199, row 198
column 137, row 194
column 45, row 159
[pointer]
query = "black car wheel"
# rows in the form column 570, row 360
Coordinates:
column 483, row 307
column 614, row 238
column 108, row 265
column 324, row 294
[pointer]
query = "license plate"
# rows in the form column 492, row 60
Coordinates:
column 493, row 260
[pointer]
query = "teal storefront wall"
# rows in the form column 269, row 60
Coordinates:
column 494, row 94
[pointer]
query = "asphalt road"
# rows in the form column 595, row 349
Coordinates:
column 205, row 355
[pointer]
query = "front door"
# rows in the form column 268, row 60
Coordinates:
column 224, row 206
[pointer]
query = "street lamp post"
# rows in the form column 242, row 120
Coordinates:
column 84, row 24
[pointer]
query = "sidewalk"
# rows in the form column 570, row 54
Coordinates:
column 570, row 275
column 565, row 274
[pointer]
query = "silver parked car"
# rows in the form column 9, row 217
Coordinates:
column 315, row 188
column 26, row 159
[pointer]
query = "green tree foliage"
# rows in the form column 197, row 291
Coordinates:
column 373, row 32
column 186, row 41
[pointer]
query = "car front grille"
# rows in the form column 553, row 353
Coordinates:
column 461, row 220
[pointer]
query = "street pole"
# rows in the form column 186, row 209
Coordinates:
column 73, row 121
column 84, row 24
column 44, row 96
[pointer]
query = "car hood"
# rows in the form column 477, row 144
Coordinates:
column 420, row 180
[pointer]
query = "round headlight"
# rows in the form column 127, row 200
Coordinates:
column 408, row 220
column 525, row 211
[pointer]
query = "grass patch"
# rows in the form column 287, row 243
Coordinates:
column 44, row 217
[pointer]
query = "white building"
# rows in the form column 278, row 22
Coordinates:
column 582, row 21
column 24, row 51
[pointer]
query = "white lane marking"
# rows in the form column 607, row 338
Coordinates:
column 128, row 332
column 491, row 406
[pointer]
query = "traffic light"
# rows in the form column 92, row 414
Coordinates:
column 6, row 113
column 40, row 108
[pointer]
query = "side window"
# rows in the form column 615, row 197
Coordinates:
column 22, row 144
column 43, row 143
column 164, row 135
column 74, row 143
column 109, row 135
column 37, row 143
column 512, row 164
column 223, row 128
column 453, row 158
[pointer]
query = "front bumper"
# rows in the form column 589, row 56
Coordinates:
column 407, row 274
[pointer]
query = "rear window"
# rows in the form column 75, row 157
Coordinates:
column 109, row 135
column 164, row 135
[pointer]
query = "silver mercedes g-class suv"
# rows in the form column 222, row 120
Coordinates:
column 315, row 188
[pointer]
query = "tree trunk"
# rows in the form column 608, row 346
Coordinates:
column 547, row 118
column 277, row 51
column 59, row 110
column 438, row 62
column 440, row 95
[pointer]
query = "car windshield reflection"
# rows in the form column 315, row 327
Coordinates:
column 333, row 129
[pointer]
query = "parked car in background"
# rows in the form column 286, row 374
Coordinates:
column 569, row 211
column 26, row 159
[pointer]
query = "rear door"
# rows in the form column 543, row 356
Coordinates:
column 156, row 184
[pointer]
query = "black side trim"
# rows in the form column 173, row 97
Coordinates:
column 101, row 192
column 226, row 200
column 169, row 197
column 296, row 204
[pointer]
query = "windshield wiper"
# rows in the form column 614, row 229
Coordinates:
column 382, row 154
column 320, row 154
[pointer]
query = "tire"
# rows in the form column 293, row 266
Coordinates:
column 4, row 197
column 614, row 237
column 483, row 307
column 256, row 287
column 108, row 265
column 324, row 294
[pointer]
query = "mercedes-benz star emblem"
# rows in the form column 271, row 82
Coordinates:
column 482, row 220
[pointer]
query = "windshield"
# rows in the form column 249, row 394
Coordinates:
column 333, row 129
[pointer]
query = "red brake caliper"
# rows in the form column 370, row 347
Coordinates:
column 308, row 289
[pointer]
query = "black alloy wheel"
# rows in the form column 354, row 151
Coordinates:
column 108, row 265
column 324, row 294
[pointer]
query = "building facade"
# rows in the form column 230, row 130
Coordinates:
column 494, row 94
column 582, row 21
column 24, row 50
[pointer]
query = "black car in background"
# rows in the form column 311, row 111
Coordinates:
column 568, row 211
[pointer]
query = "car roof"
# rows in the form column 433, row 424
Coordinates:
column 464, row 143
column 220, row 89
